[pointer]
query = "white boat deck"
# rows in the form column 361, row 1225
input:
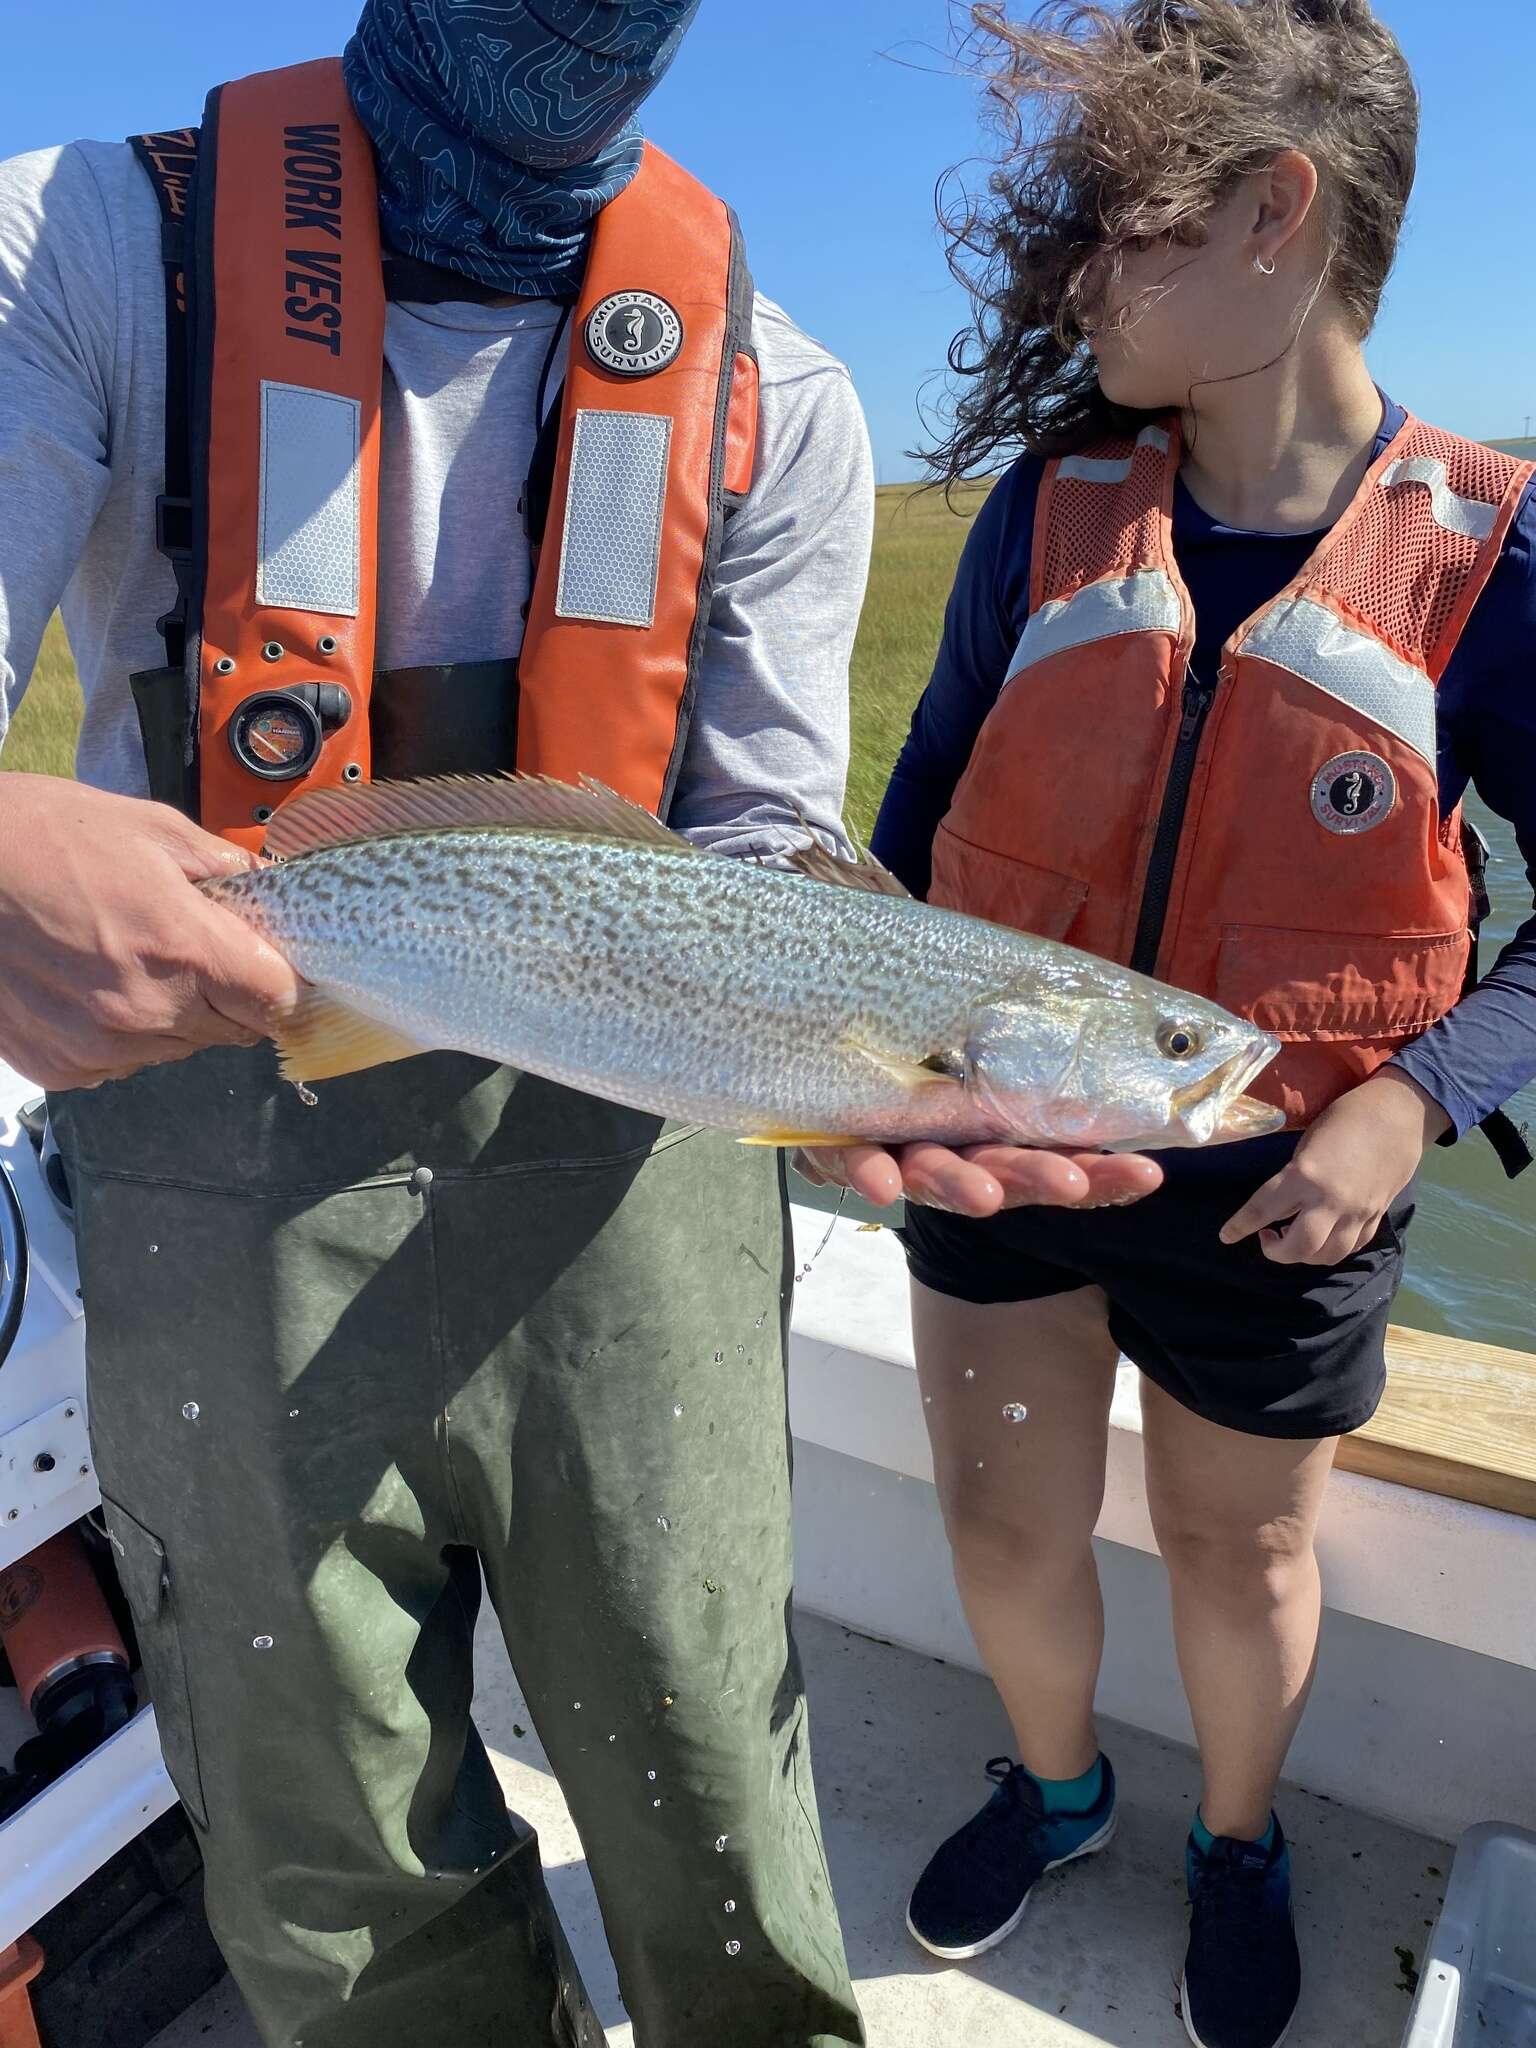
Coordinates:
column 900, row 1741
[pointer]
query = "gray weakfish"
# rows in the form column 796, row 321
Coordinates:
column 566, row 932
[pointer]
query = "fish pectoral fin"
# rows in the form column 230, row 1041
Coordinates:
column 900, row 1066
column 800, row 1138
column 445, row 803
column 864, row 873
column 322, row 1038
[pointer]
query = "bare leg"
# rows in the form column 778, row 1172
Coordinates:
column 1235, row 1518
column 1021, row 1499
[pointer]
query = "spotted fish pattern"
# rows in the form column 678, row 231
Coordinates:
column 722, row 993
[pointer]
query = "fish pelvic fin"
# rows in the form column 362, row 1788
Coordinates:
column 864, row 872
column 901, row 1067
column 445, row 803
column 800, row 1138
column 322, row 1038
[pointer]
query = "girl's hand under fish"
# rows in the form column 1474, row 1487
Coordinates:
column 980, row 1180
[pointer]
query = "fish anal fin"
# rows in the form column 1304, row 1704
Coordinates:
column 864, row 873
column 322, row 1038
column 445, row 803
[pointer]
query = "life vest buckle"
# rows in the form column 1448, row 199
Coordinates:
column 173, row 527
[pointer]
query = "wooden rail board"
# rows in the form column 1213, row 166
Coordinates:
column 1458, row 1419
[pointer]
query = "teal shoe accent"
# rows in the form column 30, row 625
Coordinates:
column 1073, row 1797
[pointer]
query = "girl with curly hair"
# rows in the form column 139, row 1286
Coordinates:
column 1229, row 642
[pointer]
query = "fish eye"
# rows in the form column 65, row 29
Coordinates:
column 1179, row 1041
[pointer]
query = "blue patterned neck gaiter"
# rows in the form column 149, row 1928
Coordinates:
column 503, row 127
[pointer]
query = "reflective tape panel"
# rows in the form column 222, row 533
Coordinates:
column 1100, row 469
column 1466, row 516
column 1315, row 644
column 611, row 548
column 308, row 537
column 1144, row 603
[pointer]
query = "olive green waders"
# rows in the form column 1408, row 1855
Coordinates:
column 342, row 1360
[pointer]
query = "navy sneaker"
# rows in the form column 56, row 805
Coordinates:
column 1242, row 1975
column 973, row 1893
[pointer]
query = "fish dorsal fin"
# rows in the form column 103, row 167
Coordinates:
column 864, row 873
column 322, row 1038
column 445, row 803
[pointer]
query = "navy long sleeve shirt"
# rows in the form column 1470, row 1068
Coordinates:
column 1484, row 1052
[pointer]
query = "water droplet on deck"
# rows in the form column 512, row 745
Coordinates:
column 741, row 1350
column 761, row 1320
column 613, row 1738
column 261, row 1642
column 730, row 1905
column 1015, row 1411
column 663, row 1524
column 154, row 1247
column 652, row 1776
column 733, row 1948
column 292, row 1412
column 655, row 1802
column 970, row 1372
column 720, row 1845
column 677, row 1409
column 927, row 1400
column 719, row 1358
column 308, row 1096
column 981, row 1464
column 190, row 1411
column 576, row 1704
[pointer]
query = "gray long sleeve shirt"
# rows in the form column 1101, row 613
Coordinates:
column 82, row 368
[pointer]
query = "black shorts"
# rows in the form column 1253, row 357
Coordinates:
column 1271, row 1350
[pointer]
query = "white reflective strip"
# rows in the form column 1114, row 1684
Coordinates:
column 1145, row 603
column 1315, row 644
column 1466, row 516
column 610, row 551
column 1105, row 469
column 308, row 541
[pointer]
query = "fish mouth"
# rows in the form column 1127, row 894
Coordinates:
column 1215, row 1111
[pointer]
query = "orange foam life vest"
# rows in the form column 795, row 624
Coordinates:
column 1269, row 836
column 270, row 513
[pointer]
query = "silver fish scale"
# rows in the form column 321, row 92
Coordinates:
column 693, row 986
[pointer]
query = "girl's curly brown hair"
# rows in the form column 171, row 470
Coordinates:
column 1123, row 124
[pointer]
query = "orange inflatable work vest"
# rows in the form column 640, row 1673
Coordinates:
column 1269, row 836
column 276, row 279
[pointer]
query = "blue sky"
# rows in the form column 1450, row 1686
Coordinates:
column 827, row 123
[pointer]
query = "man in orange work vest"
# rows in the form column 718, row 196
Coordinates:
column 514, row 469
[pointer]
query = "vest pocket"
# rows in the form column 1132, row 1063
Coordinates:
column 1333, row 986
column 1006, row 891
column 146, row 1581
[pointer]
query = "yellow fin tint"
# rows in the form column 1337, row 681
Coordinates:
column 322, row 1039
column 800, row 1138
column 445, row 803
column 909, row 1072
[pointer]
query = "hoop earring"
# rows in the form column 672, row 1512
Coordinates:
column 1264, row 269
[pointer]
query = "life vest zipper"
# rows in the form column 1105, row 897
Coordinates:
column 1196, row 706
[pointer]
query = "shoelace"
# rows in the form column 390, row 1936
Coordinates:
column 996, row 1849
